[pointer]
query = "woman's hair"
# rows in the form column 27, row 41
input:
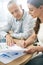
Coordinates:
column 37, row 4
column 37, row 26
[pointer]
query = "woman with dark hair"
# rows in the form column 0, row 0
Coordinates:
column 36, row 10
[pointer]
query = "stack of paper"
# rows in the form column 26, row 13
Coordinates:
column 4, row 48
column 8, row 54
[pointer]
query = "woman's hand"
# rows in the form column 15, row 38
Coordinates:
column 31, row 50
column 9, row 40
column 29, row 41
column 23, row 43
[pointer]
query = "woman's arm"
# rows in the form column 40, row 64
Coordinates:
column 29, row 41
column 39, row 48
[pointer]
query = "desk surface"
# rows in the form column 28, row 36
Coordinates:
column 20, row 61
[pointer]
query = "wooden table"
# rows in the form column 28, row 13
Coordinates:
column 21, row 60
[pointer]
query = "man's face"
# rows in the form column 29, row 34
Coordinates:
column 16, row 11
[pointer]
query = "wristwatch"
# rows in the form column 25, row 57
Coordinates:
column 34, row 44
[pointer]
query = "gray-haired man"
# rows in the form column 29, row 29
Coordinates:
column 20, row 23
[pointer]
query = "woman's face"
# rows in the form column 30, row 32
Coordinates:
column 35, row 12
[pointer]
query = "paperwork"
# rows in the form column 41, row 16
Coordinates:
column 8, row 54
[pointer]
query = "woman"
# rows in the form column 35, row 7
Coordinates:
column 36, row 10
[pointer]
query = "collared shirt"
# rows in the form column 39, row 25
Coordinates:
column 22, row 29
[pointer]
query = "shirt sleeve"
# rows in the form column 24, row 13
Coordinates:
column 6, row 28
column 3, row 34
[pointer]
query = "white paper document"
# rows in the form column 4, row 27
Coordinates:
column 5, row 48
column 8, row 54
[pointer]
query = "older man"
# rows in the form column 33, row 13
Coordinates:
column 20, row 23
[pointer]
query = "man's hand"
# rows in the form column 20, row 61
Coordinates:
column 9, row 40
